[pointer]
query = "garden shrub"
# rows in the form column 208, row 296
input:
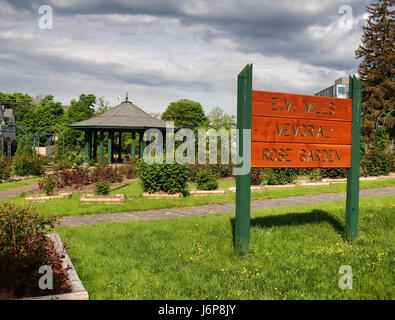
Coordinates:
column 105, row 173
column 376, row 162
column 315, row 175
column 129, row 171
column 78, row 177
column 25, row 165
column 49, row 183
column 171, row 178
column 25, row 146
column 102, row 187
column 220, row 170
column 206, row 180
column 24, row 248
column 62, row 165
column 280, row 176
column 257, row 176
column 193, row 171
column 333, row 173
column 5, row 168
column 380, row 138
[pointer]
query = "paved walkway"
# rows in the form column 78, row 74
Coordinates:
column 216, row 208
column 14, row 192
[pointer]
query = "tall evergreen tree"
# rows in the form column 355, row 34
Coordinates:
column 377, row 70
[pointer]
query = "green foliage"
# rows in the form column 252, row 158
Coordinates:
column 25, row 165
column 22, row 104
column 81, row 109
column 25, row 146
column 257, row 176
column 171, row 178
column 48, row 112
column 220, row 170
column 219, row 119
column 376, row 70
column 49, row 184
column 185, row 114
column 206, row 180
column 102, row 187
column 69, row 159
column 315, row 175
column 24, row 248
column 380, row 138
column 280, row 176
column 5, row 168
column 376, row 162
column 333, row 173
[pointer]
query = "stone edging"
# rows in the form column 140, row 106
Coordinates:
column 160, row 195
column 111, row 198
column 43, row 197
column 78, row 291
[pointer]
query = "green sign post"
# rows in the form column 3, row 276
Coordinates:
column 243, row 181
column 352, row 202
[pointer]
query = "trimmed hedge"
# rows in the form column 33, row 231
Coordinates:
column 206, row 180
column 170, row 178
column 377, row 162
column 25, row 165
column 280, row 176
column 5, row 168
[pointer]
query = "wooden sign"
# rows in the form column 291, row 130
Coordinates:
column 293, row 131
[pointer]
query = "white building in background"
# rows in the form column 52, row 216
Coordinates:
column 339, row 90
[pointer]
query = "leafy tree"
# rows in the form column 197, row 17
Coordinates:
column 47, row 116
column 80, row 110
column 156, row 115
column 185, row 114
column 218, row 119
column 103, row 106
column 22, row 104
column 25, row 146
column 376, row 70
column 71, row 140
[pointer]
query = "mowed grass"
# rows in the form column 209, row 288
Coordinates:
column 135, row 202
column 15, row 184
column 296, row 253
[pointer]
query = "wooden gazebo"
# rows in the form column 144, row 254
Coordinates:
column 125, row 117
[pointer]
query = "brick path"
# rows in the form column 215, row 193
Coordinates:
column 14, row 192
column 216, row 208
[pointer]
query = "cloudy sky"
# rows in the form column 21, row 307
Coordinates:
column 164, row 50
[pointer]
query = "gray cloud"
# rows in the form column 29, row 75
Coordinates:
column 176, row 46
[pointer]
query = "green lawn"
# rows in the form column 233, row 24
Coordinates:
column 10, row 185
column 134, row 201
column 296, row 253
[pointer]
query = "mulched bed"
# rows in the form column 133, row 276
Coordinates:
column 61, row 283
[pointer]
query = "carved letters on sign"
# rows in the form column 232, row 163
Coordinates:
column 290, row 130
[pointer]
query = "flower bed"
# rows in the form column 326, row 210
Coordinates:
column 24, row 249
column 77, row 290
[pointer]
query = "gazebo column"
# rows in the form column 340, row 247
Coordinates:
column 133, row 147
column 119, row 147
column 88, row 145
column 101, row 146
column 141, row 144
column 95, row 145
column 109, row 147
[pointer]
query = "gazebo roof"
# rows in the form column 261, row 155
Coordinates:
column 124, row 116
